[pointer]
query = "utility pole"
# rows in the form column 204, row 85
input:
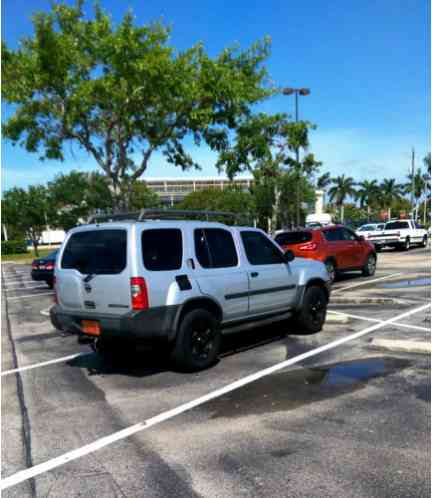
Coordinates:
column 297, row 92
column 412, row 181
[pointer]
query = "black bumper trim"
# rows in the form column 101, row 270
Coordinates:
column 152, row 324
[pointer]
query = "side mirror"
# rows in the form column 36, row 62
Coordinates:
column 289, row 256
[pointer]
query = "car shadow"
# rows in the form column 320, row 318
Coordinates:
column 135, row 362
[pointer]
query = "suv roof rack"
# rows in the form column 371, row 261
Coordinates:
column 164, row 214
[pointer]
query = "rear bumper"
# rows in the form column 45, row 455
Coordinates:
column 155, row 324
column 385, row 242
column 42, row 275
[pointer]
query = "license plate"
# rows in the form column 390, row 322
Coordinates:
column 91, row 327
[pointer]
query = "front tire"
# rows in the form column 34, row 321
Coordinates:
column 312, row 315
column 331, row 270
column 424, row 241
column 198, row 341
column 370, row 266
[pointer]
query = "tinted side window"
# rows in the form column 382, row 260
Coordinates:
column 348, row 235
column 96, row 251
column 293, row 238
column 162, row 249
column 397, row 225
column 333, row 235
column 259, row 250
column 215, row 248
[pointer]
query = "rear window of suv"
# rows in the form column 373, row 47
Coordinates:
column 162, row 249
column 397, row 225
column 288, row 238
column 96, row 251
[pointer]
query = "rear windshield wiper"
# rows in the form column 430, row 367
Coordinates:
column 89, row 277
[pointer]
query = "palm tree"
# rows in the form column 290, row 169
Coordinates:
column 368, row 194
column 390, row 191
column 343, row 187
column 323, row 181
column 417, row 186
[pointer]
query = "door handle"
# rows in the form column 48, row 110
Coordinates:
column 254, row 274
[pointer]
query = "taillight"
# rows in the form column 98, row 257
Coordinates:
column 34, row 265
column 310, row 246
column 49, row 266
column 55, row 290
column 139, row 296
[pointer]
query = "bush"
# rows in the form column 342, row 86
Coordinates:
column 13, row 247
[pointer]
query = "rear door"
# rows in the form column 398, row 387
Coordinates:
column 272, row 285
column 219, row 272
column 355, row 249
column 92, row 272
column 339, row 247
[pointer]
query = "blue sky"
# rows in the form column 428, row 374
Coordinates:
column 366, row 62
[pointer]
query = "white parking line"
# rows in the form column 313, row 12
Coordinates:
column 358, row 317
column 337, row 289
column 23, row 475
column 44, row 363
column 26, row 286
column 14, row 298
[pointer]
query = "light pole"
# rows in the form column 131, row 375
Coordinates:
column 304, row 92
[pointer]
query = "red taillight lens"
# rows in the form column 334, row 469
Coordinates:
column 55, row 290
column 139, row 294
column 49, row 267
column 34, row 265
column 310, row 246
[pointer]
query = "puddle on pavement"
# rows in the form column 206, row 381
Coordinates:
column 403, row 284
column 294, row 388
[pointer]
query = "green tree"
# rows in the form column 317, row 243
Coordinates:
column 28, row 211
column 416, row 184
column 143, row 197
column 74, row 196
column 266, row 145
column 343, row 188
column 389, row 192
column 324, row 181
column 120, row 92
column 230, row 199
column 368, row 194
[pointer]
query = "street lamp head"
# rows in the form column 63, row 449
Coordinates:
column 304, row 91
column 288, row 91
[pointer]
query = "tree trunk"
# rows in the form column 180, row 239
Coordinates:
column 342, row 213
column 389, row 214
column 424, row 211
column 368, row 212
column 35, row 245
column 275, row 207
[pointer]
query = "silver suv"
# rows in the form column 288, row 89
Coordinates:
column 180, row 283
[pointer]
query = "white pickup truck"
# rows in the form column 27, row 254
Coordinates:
column 401, row 234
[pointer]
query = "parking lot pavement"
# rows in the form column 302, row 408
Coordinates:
column 353, row 420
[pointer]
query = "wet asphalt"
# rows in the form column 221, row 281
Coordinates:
column 353, row 421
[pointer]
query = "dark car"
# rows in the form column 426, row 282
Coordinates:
column 43, row 269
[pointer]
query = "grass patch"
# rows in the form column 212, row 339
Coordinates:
column 26, row 258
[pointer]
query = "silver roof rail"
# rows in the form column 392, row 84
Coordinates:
column 165, row 214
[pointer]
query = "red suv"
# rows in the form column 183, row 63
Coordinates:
column 339, row 248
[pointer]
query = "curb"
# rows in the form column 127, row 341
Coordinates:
column 406, row 346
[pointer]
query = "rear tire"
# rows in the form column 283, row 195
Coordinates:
column 198, row 341
column 406, row 245
column 424, row 241
column 331, row 270
column 370, row 266
column 50, row 284
column 312, row 315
